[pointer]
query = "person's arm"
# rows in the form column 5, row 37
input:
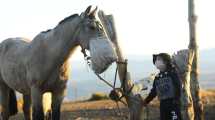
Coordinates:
column 151, row 95
column 177, row 85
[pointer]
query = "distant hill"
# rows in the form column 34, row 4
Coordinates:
column 83, row 82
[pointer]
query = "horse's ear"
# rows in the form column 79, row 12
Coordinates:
column 93, row 13
column 87, row 11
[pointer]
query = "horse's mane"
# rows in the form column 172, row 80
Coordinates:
column 62, row 21
column 68, row 18
column 46, row 31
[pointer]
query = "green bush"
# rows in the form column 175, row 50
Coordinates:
column 98, row 96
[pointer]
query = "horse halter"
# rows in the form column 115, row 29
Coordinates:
column 87, row 58
column 75, row 33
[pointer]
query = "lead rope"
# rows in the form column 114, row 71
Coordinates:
column 116, row 94
column 117, row 103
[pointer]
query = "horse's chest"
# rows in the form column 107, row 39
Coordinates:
column 53, row 85
column 56, row 81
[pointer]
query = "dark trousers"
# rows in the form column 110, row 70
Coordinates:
column 170, row 110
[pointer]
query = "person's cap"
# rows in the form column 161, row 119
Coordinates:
column 165, row 56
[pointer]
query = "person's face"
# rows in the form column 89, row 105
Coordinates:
column 160, row 64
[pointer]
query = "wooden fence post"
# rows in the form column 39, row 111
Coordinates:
column 183, row 61
column 134, row 101
column 195, row 89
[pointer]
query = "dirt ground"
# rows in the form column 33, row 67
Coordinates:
column 107, row 110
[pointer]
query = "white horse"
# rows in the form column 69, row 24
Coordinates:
column 41, row 65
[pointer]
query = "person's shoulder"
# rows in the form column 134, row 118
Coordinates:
column 174, row 74
column 157, row 76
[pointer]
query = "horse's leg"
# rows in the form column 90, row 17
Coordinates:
column 36, row 97
column 12, row 102
column 4, row 102
column 27, row 107
column 57, row 98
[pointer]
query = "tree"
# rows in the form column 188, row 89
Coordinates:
column 187, row 62
column 195, row 89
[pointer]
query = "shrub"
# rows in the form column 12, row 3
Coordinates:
column 98, row 96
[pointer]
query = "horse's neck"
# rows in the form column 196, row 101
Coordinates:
column 62, row 42
column 55, row 46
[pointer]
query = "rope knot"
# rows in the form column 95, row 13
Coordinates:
column 116, row 94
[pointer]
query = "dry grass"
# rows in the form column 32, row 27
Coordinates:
column 106, row 109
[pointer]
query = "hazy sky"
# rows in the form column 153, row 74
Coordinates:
column 144, row 26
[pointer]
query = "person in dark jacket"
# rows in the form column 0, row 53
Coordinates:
column 167, row 87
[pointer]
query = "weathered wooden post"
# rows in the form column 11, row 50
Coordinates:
column 134, row 101
column 183, row 61
column 195, row 89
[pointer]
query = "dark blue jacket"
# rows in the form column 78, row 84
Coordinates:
column 167, row 85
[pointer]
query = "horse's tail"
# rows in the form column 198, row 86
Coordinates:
column 12, row 102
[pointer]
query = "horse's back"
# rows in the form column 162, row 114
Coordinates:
column 13, row 44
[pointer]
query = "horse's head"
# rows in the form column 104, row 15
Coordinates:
column 92, row 37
